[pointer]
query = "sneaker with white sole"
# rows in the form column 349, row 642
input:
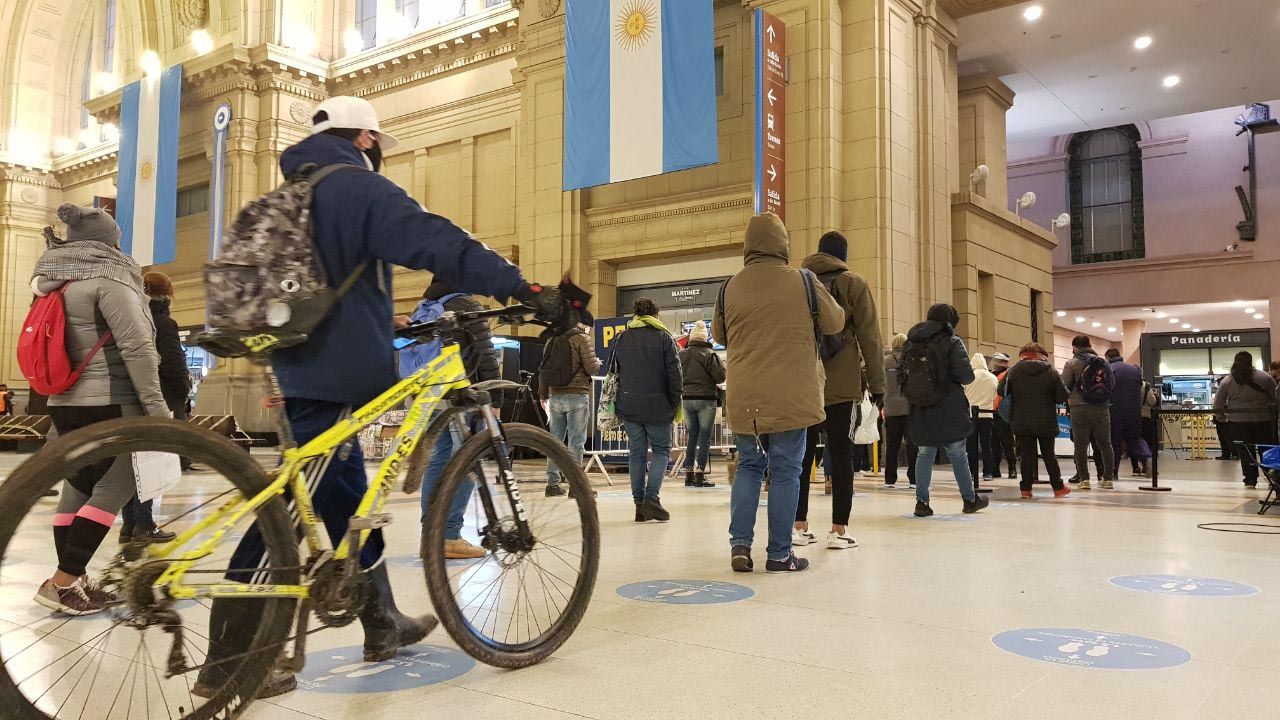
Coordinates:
column 800, row 538
column 74, row 600
column 791, row 564
column 1084, row 485
column 841, row 541
column 1107, row 485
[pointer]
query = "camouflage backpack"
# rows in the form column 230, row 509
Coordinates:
column 268, row 290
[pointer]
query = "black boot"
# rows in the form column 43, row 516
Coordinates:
column 653, row 510
column 690, row 478
column 700, row 480
column 386, row 629
column 228, row 618
column 640, row 513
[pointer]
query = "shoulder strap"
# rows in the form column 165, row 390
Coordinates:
column 812, row 294
column 350, row 282
column 315, row 177
column 102, row 342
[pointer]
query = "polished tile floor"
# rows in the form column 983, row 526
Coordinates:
column 900, row 627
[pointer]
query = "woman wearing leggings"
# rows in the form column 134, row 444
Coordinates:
column 109, row 323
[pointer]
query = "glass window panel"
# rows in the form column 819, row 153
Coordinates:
column 1224, row 357
column 109, row 38
column 1184, row 362
column 367, row 21
column 720, row 72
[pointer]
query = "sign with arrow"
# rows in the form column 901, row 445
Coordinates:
column 771, row 115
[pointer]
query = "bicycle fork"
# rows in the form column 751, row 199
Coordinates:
column 498, row 442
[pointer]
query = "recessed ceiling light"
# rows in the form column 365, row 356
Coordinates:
column 1079, row 319
column 1174, row 321
column 1249, row 311
column 1195, row 329
column 1162, row 315
column 1259, row 316
column 1186, row 326
column 1033, row 13
column 1143, row 42
column 1062, row 313
column 1097, row 324
column 1172, row 81
column 1237, row 303
column 1111, row 329
column 1146, row 309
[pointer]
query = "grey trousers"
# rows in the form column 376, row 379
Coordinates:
column 1092, row 424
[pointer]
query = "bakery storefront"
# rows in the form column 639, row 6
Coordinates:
column 680, row 305
column 1190, row 365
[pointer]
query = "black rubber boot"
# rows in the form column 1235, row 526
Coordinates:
column 228, row 619
column 386, row 629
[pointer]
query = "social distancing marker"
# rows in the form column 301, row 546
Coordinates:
column 685, row 592
column 1091, row 648
column 1184, row 585
column 341, row 670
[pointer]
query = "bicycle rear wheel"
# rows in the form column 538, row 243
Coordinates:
column 115, row 664
column 514, row 607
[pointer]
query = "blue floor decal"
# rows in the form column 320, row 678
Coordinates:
column 685, row 592
column 342, row 670
column 1184, row 585
column 1091, row 648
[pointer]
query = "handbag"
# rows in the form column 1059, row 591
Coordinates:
column 1006, row 401
column 155, row 472
column 607, row 419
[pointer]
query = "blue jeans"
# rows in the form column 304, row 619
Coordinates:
column 958, row 453
column 568, row 416
column 640, row 437
column 441, row 454
column 700, row 418
column 782, row 454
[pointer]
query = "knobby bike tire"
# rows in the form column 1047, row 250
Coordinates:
column 436, row 570
column 43, row 470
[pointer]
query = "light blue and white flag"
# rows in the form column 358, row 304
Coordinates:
column 147, row 185
column 640, row 92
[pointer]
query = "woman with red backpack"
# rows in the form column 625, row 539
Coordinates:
column 109, row 338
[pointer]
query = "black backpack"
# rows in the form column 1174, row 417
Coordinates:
column 1096, row 381
column 922, row 374
column 556, row 369
column 828, row 345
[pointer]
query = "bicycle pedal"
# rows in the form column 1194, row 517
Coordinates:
column 373, row 522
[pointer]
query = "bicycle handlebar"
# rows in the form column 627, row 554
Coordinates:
column 515, row 315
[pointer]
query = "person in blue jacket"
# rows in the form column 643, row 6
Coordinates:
column 358, row 217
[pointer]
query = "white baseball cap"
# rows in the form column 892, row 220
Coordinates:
column 352, row 113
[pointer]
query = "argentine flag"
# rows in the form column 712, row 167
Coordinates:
column 640, row 94
column 147, row 184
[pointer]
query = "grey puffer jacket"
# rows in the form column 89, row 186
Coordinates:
column 894, row 404
column 127, row 369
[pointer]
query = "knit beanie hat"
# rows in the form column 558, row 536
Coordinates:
column 834, row 244
column 699, row 332
column 88, row 223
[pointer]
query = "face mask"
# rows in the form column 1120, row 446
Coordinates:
column 375, row 156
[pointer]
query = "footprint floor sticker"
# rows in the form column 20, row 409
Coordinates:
column 685, row 592
column 342, row 670
column 1185, row 585
column 1091, row 648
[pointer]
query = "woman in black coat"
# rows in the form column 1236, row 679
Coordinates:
column 1034, row 389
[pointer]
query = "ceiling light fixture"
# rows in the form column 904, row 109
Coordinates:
column 1111, row 329
column 1186, row 326
column 150, row 63
column 1062, row 313
column 1097, row 324
column 201, row 41
column 1174, row 321
column 1143, row 42
column 1172, row 81
column 1259, row 316
column 1249, row 311
column 1161, row 315
column 1237, row 303
column 1195, row 329
column 1079, row 319
column 1033, row 13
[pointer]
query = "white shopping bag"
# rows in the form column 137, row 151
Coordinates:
column 155, row 472
column 866, row 432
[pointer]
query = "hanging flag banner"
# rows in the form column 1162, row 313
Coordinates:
column 771, row 115
column 640, row 90
column 147, row 181
column 221, row 121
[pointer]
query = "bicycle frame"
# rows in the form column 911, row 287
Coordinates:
column 428, row 386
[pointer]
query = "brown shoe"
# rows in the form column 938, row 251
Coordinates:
column 98, row 593
column 74, row 600
column 462, row 550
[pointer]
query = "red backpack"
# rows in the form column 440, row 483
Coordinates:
column 42, row 348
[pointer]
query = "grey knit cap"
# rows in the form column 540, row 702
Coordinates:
column 87, row 223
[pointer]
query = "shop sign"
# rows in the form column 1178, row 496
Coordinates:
column 686, row 294
column 1223, row 338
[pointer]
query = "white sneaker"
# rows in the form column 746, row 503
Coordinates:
column 1084, row 485
column 842, row 541
column 800, row 538
column 890, row 486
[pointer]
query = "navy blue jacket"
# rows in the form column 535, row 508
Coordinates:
column 649, row 378
column 1126, row 399
column 360, row 216
column 948, row 420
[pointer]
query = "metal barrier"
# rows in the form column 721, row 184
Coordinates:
column 1189, row 430
column 25, row 427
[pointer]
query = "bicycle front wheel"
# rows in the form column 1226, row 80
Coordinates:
column 518, row 603
column 121, row 649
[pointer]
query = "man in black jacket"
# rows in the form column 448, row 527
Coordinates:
column 649, row 387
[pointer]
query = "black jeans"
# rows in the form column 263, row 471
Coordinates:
column 980, row 446
column 1002, row 444
column 1252, row 433
column 840, row 449
column 1027, row 446
column 896, row 435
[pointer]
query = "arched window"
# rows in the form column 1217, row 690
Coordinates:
column 1106, row 196
column 85, row 85
column 109, row 39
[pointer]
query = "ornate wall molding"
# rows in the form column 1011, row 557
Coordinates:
column 669, row 207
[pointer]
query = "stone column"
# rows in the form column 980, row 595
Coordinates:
column 983, row 104
column 27, row 198
column 1133, row 330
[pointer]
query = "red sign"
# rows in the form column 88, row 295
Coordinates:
column 771, row 115
column 107, row 204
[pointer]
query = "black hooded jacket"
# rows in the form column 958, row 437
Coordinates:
column 948, row 420
column 175, row 378
column 1037, row 390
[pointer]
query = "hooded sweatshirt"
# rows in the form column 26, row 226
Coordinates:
column 861, row 332
column 982, row 391
column 775, row 374
column 949, row 419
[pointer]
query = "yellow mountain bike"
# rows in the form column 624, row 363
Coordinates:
column 511, row 608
